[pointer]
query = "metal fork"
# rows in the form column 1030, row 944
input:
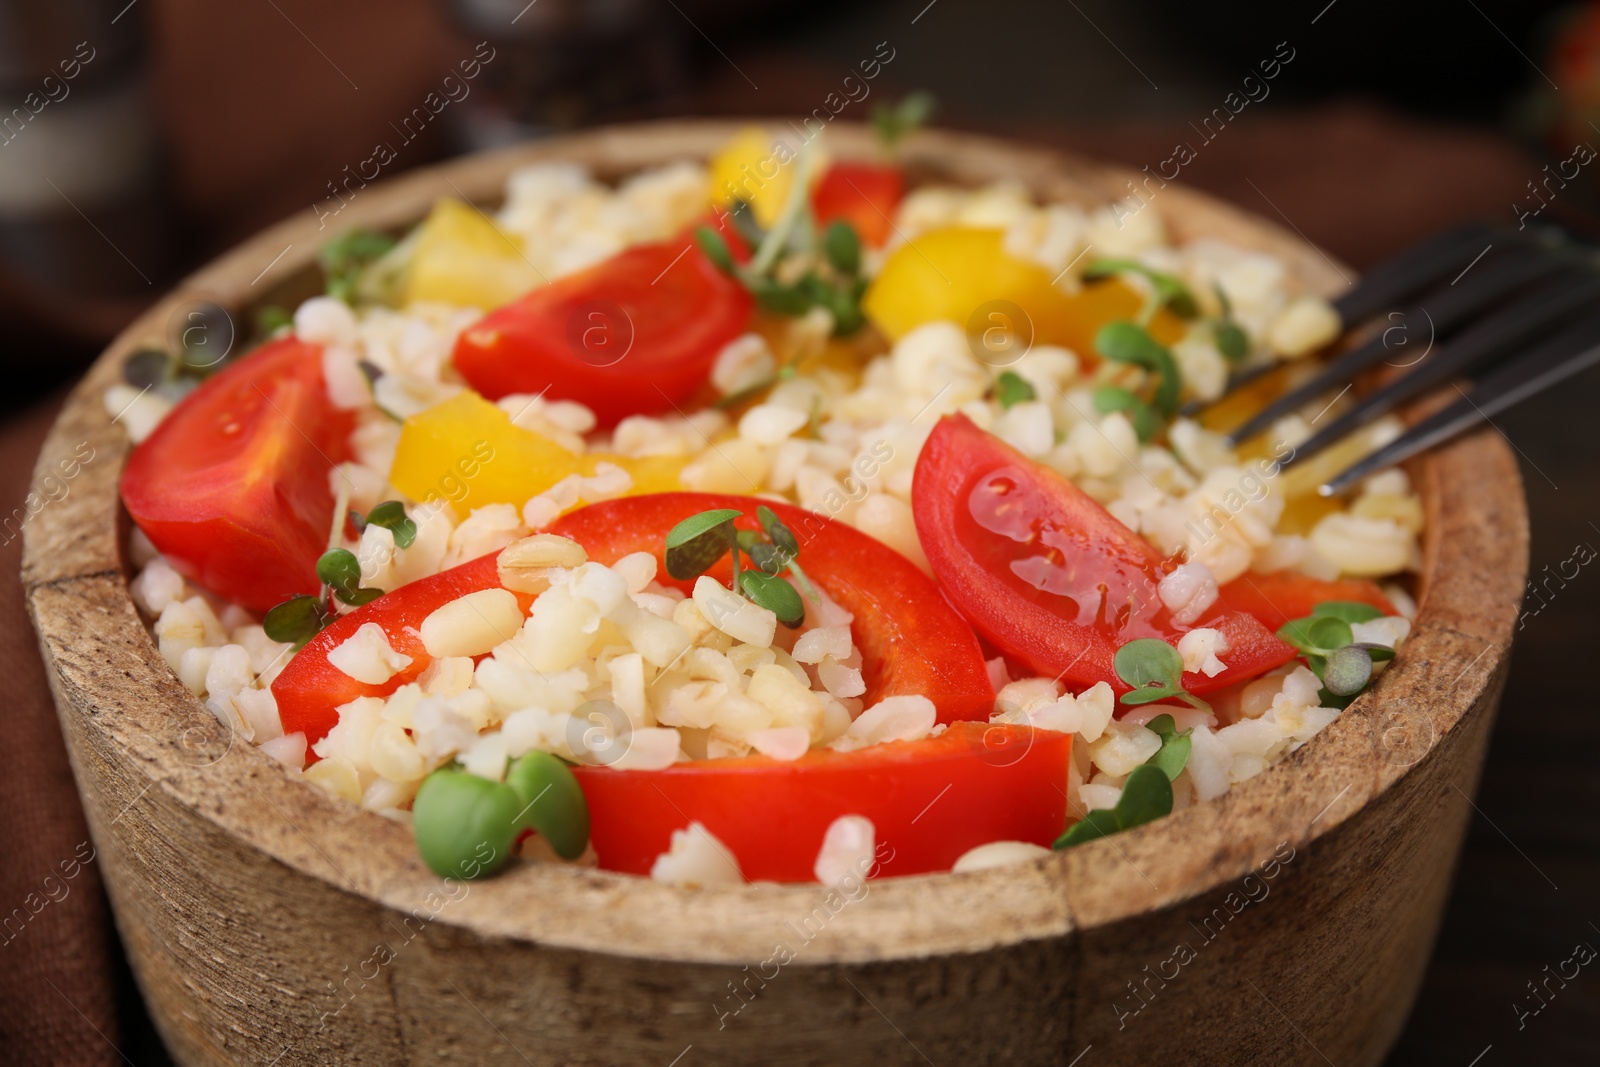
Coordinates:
column 1511, row 312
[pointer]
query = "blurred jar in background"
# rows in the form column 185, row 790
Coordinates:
column 566, row 63
column 84, row 227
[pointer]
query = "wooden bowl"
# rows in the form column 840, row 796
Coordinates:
column 1287, row 922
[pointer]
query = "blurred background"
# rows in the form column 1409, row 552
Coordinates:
column 139, row 138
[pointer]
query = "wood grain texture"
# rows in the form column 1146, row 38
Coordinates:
column 265, row 919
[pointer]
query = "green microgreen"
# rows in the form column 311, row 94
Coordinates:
column 1226, row 333
column 1146, row 796
column 744, row 222
column 271, row 318
column 842, row 247
column 1131, row 343
column 172, row 373
column 1146, row 423
column 697, row 543
column 1324, row 639
column 894, row 122
column 340, row 571
column 148, row 368
column 391, row 515
column 832, row 279
column 344, row 258
column 1173, row 755
column 774, row 594
column 296, row 621
column 1155, row 671
column 1348, row 610
column 1011, row 389
column 777, row 531
column 1346, row 671
column 1168, row 291
column 715, row 246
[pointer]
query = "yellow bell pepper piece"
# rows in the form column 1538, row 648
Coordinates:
column 749, row 169
column 468, row 452
column 949, row 274
column 464, row 258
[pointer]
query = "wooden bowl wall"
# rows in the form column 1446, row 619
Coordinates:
column 1287, row 922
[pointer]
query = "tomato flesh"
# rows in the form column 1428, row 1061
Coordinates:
column 911, row 640
column 232, row 486
column 636, row 333
column 1046, row 574
column 866, row 195
column 929, row 802
column 1274, row 599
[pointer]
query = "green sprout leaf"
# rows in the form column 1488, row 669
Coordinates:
column 1348, row 610
column 842, row 247
column 296, row 621
column 777, row 531
column 1101, row 822
column 1346, row 671
column 1316, row 635
column 1011, row 389
column 744, row 221
column 1146, row 423
column 147, row 368
column 1173, row 755
column 270, row 319
column 774, row 594
column 1149, row 661
column 340, row 571
column 1146, row 796
column 1128, row 342
column 893, row 123
column 1155, row 670
column 391, row 515
column 1231, row 341
column 715, row 247
column 699, row 541
column 345, row 257
column 779, row 299
column 1326, row 641
column 1170, row 291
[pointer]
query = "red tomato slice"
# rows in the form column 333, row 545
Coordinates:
column 911, row 641
column 310, row 690
column 1046, row 574
column 233, row 485
column 866, row 195
column 1274, row 599
column 929, row 801
column 636, row 333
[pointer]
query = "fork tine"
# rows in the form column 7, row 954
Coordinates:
column 1482, row 343
column 1574, row 350
column 1443, row 310
column 1236, row 380
column 1409, row 272
column 1385, row 287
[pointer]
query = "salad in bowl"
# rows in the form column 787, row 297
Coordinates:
column 777, row 518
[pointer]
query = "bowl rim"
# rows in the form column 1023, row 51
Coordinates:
column 104, row 661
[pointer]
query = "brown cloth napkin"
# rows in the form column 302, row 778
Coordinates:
column 1360, row 182
column 58, row 987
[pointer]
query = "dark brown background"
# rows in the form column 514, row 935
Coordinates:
column 1389, row 123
